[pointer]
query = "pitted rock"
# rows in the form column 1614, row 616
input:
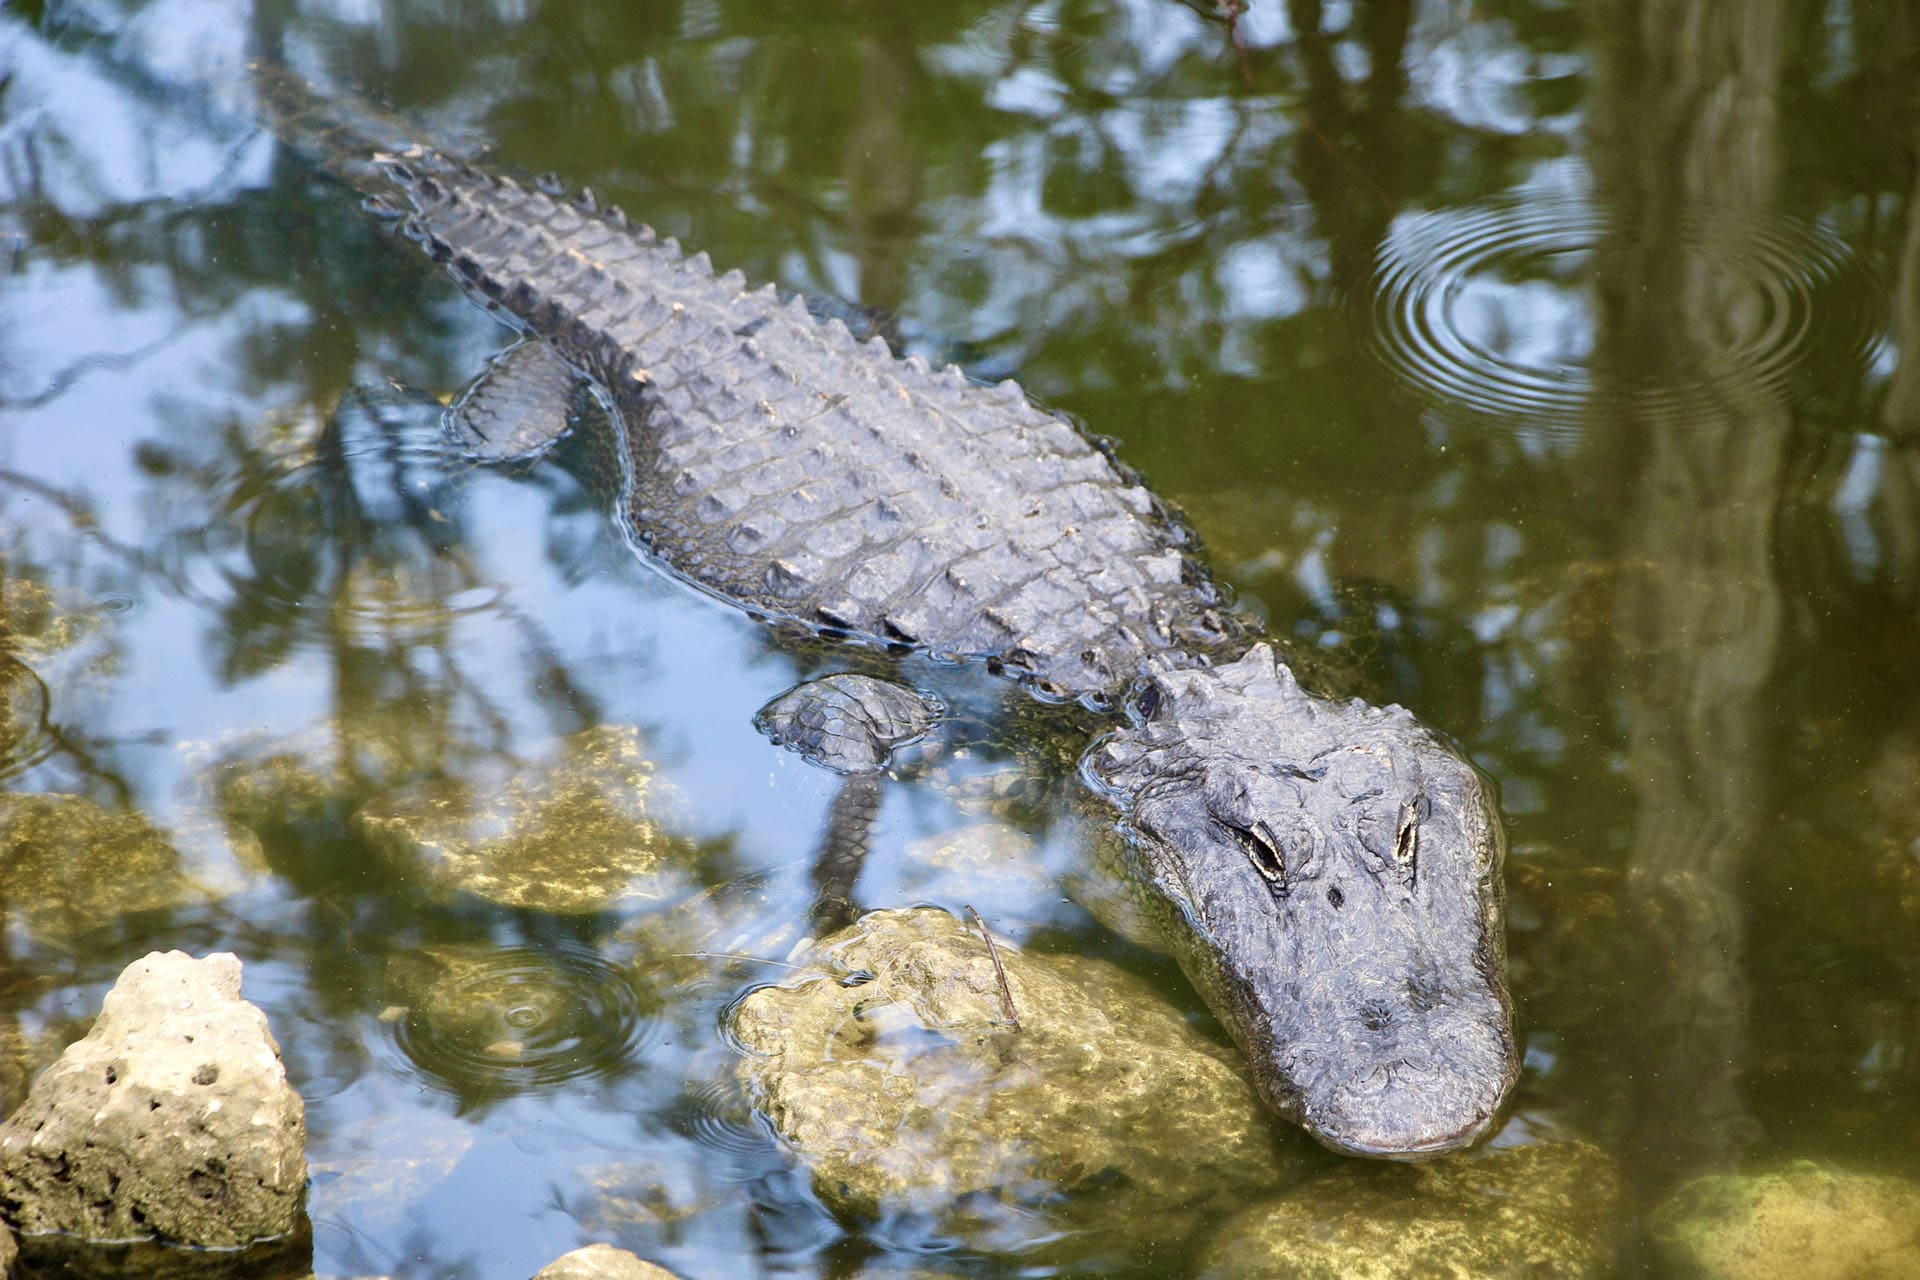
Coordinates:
column 888, row 1063
column 601, row 1262
column 171, row 1120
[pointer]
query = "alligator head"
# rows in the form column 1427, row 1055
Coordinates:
column 1330, row 874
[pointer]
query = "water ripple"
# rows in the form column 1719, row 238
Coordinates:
column 517, row 1020
column 1543, row 312
column 717, row 1115
column 350, row 530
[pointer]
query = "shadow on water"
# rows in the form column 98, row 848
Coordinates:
column 1550, row 370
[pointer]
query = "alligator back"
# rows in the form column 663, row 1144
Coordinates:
column 775, row 461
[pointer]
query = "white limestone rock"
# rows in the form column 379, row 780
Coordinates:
column 171, row 1120
column 601, row 1262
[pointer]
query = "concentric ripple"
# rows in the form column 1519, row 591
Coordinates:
column 348, row 529
column 1541, row 313
column 717, row 1115
column 517, row 1020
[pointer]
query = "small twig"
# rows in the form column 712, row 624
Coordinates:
column 1233, row 9
column 1000, row 974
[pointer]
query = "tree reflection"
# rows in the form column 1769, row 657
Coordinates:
column 1686, row 128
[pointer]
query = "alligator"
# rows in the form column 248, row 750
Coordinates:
column 1328, row 873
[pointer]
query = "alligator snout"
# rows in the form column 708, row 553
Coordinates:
column 1335, row 873
column 1411, row 1107
column 1408, row 1069
column 1403, row 1110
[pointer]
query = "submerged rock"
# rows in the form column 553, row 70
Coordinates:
column 67, row 865
column 1544, row 1210
column 25, row 737
column 659, row 1193
column 258, row 788
column 172, row 1119
column 992, row 863
column 1804, row 1222
column 601, row 1262
column 56, row 657
column 376, row 1171
column 37, row 620
column 897, row 1074
column 27, row 1045
column 581, row 834
column 284, row 803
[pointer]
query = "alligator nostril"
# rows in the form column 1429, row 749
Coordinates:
column 1374, row 1015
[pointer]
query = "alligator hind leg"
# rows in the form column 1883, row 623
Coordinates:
column 519, row 406
column 843, row 852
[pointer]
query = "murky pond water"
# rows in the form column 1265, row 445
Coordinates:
column 1549, row 369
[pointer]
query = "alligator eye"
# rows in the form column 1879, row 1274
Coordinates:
column 1263, row 851
column 1406, row 845
column 1147, row 702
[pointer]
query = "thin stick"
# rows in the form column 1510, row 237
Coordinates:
column 1233, row 9
column 1000, row 974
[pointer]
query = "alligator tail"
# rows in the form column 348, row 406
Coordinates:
column 350, row 139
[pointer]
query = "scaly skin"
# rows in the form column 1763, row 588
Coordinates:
column 1330, row 876
column 848, row 723
column 1329, row 873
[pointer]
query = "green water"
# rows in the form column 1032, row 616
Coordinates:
column 1547, row 368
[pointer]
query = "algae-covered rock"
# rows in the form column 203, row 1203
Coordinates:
column 988, row 861
column 171, row 1120
column 67, row 865
column 601, row 1262
column 25, row 737
column 897, row 1074
column 1804, row 1222
column 1544, row 1210
column 580, row 834
column 36, row 620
